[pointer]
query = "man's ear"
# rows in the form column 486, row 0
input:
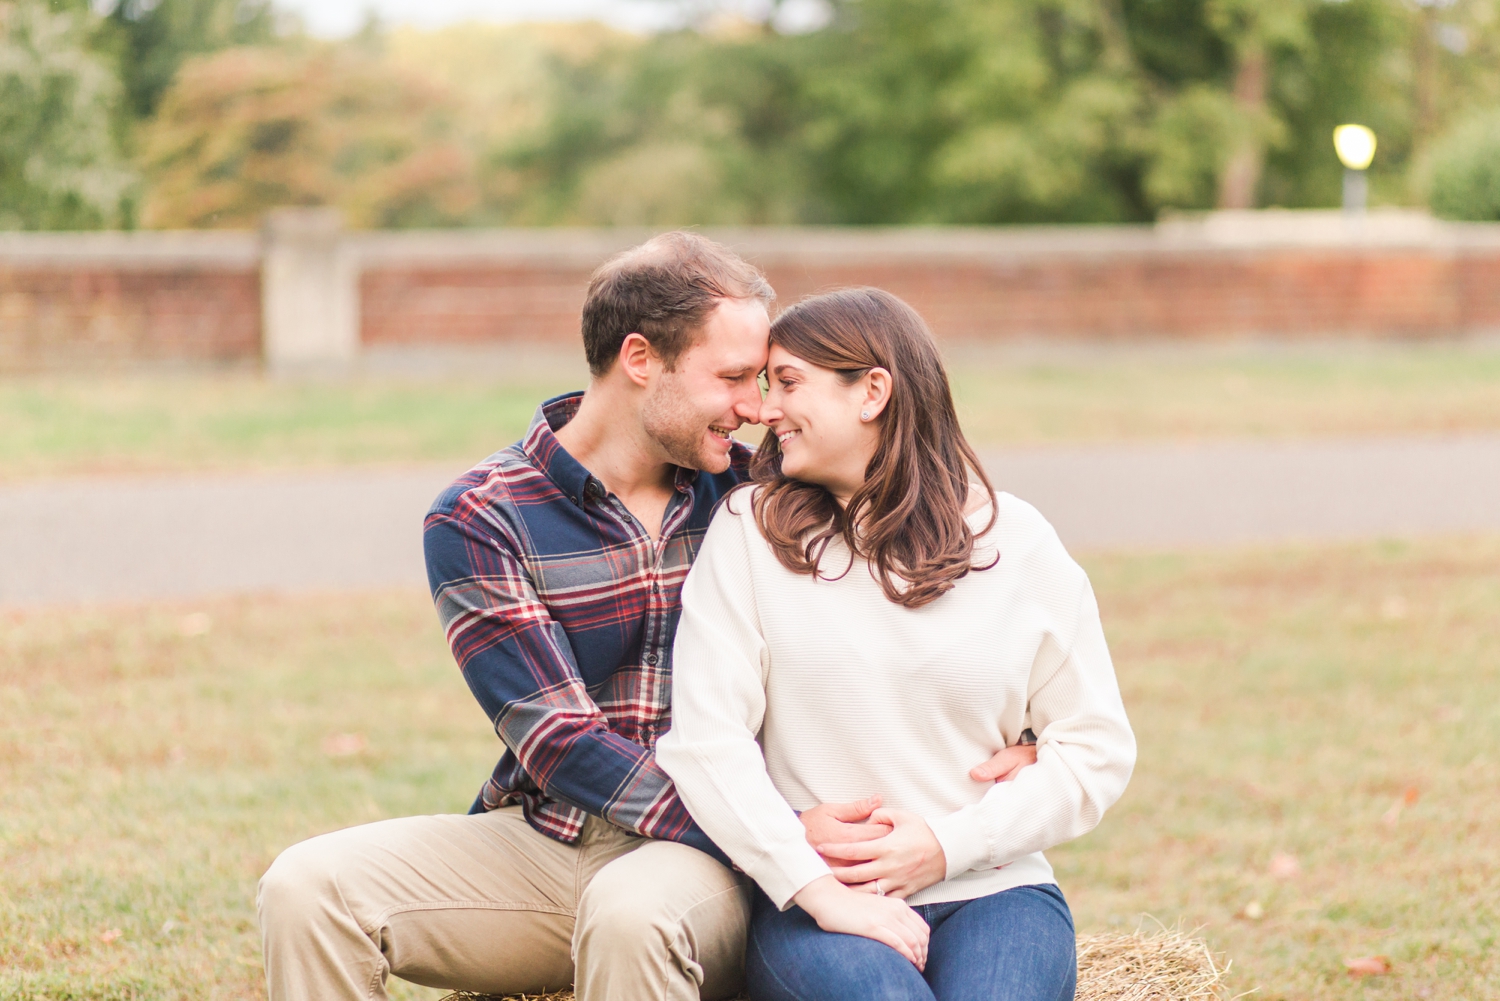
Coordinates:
column 637, row 359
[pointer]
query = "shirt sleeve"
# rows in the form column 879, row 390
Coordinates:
column 519, row 664
column 1085, row 754
column 718, row 704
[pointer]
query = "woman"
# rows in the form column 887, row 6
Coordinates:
column 871, row 617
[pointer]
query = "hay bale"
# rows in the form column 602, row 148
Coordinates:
column 1165, row 966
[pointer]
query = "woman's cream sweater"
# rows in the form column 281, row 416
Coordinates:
column 790, row 691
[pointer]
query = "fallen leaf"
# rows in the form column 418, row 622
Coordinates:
column 109, row 935
column 1367, row 966
column 343, row 745
column 1284, row 866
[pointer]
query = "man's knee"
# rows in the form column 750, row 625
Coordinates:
column 298, row 885
column 663, row 907
column 610, row 918
column 661, row 891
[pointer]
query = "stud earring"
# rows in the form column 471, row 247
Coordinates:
column 864, row 415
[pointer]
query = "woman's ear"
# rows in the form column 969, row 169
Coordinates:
column 877, row 393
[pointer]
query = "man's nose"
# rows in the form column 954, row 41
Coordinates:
column 747, row 407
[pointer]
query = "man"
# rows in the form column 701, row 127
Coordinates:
column 556, row 567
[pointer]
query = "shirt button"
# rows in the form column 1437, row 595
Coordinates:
column 651, row 659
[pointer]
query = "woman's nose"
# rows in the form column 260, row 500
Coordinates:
column 769, row 411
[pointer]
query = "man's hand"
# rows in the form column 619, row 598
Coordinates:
column 1005, row 764
column 908, row 859
column 843, row 823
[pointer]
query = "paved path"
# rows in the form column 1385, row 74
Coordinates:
column 174, row 537
column 71, row 541
column 1232, row 493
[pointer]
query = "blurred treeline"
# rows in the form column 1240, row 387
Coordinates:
column 205, row 113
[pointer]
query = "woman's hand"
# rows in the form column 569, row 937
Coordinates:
column 904, row 861
column 837, row 908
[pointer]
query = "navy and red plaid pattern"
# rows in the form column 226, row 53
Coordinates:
column 560, row 610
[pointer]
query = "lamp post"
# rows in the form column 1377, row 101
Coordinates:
column 1355, row 146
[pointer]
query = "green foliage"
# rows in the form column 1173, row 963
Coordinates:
column 59, row 165
column 895, row 112
column 157, row 38
column 988, row 111
column 1466, row 170
column 934, row 111
column 1350, row 66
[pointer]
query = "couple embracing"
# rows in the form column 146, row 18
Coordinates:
column 796, row 722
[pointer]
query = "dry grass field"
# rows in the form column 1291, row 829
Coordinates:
column 1320, row 750
column 146, row 423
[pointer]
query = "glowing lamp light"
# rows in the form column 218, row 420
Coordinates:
column 1355, row 145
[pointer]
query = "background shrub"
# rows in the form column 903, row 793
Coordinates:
column 1466, row 170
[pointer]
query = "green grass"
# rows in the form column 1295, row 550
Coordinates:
column 142, row 423
column 1284, row 702
column 146, row 424
column 1188, row 393
column 149, row 777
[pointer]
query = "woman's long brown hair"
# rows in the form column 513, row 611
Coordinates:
column 907, row 519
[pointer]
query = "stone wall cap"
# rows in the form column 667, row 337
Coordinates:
column 1223, row 232
column 573, row 248
column 145, row 250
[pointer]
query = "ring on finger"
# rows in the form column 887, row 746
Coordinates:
column 879, row 890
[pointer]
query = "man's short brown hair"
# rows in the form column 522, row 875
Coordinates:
column 663, row 290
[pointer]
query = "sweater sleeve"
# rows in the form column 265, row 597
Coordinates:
column 1085, row 754
column 720, row 664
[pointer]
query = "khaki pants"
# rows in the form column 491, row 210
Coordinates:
column 486, row 904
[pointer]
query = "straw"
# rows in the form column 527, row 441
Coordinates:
column 1166, row 965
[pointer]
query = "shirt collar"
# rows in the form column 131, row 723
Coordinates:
column 548, row 454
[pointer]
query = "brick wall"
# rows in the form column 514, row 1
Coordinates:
column 71, row 301
column 92, row 299
column 1267, row 275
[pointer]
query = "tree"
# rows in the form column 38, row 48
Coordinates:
column 59, row 165
column 950, row 111
column 251, row 129
column 156, row 38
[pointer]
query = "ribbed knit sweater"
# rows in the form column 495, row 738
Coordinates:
column 790, row 691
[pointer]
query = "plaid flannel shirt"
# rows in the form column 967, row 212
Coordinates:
column 560, row 610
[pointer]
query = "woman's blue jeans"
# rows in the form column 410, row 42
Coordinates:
column 1016, row 945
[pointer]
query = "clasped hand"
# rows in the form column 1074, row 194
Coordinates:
column 887, row 854
column 893, row 852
